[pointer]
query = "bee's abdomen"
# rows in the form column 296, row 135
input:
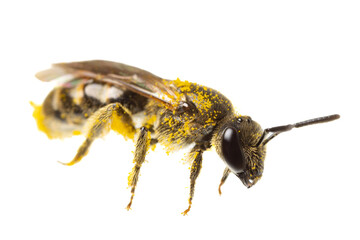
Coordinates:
column 69, row 106
column 100, row 94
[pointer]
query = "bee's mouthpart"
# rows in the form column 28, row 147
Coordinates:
column 244, row 179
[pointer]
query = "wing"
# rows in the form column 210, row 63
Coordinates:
column 117, row 74
column 121, row 75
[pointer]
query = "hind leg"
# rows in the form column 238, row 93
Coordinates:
column 113, row 116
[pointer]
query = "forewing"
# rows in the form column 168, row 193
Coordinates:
column 118, row 74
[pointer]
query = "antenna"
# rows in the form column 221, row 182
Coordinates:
column 279, row 129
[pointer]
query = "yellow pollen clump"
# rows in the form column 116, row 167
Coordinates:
column 76, row 132
column 40, row 117
column 121, row 127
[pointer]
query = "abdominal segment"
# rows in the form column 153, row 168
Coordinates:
column 67, row 108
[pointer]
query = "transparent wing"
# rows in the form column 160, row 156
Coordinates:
column 118, row 74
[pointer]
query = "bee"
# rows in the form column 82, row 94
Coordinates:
column 97, row 96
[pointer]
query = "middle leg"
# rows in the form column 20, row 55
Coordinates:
column 142, row 146
column 196, row 154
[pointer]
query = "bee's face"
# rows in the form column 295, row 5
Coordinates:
column 236, row 142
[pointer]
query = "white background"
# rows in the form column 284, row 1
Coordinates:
column 278, row 61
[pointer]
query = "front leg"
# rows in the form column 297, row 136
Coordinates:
column 223, row 179
column 196, row 154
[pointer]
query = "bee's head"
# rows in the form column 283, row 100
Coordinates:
column 241, row 142
column 236, row 142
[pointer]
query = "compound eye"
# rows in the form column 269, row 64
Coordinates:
column 232, row 150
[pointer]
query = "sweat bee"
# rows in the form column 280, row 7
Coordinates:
column 98, row 96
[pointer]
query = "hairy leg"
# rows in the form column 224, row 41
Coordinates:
column 142, row 146
column 196, row 154
column 99, row 124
